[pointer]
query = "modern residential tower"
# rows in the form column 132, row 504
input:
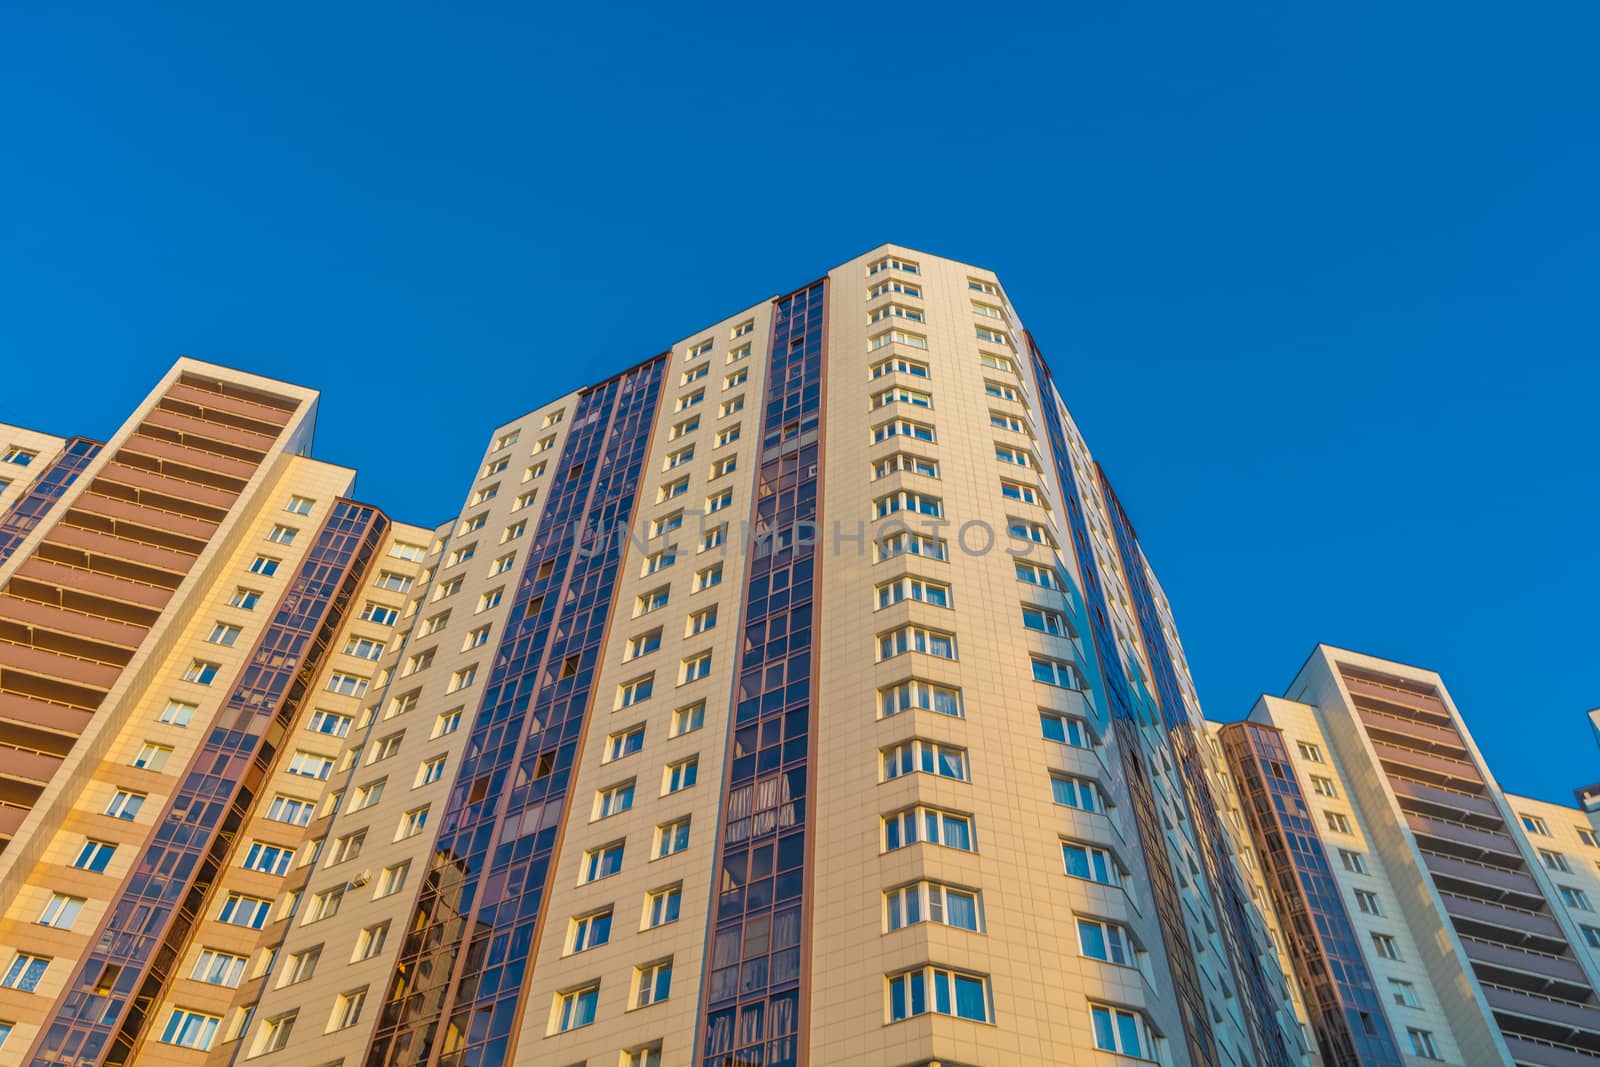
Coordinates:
column 798, row 695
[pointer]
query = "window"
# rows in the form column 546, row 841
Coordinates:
column 726, row 436
column 412, row 823
column 325, row 905
column 893, row 263
column 1367, row 901
column 292, row 810
column 725, row 466
column 1046, row 621
column 916, row 639
column 747, row 326
column 978, row 285
column 576, row 1008
column 1422, row 1043
column 201, row 672
column 643, row 644
column 94, row 856
column 421, row 661
column 672, row 838
column 463, row 554
column 688, row 719
column 1323, row 786
column 695, row 374
column 908, row 501
column 370, row 941
column 1338, row 822
column 219, row 968
column 703, row 620
column 1025, row 494
column 1587, row 836
column 925, row 757
column 1056, row 672
column 624, row 743
column 652, row 984
column 486, row 494
column 392, row 880
column 1554, row 861
column 268, row 859
column 986, row 334
column 939, row 990
column 62, row 911
column 708, row 577
column 408, row 552
column 1078, row 793
column 475, row 639
column 431, row 770
column 988, row 311
column 1591, row 936
column 1000, row 390
column 374, row 612
column 928, row 825
column 905, row 462
column 742, row 352
column 687, row 426
column 894, row 311
column 1016, row 456
column 1090, row 863
column 932, row 902
column 654, row 600
column 679, row 458
column 915, row 693
column 152, row 757
column 900, row 365
column 917, row 431
column 462, row 678
column 1386, row 946
column 283, row 535
column 1120, row 1030
column 1105, row 941
column 505, row 440
column 1064, row 729
column 656, row 562
column 618, row 798
column 553, row 419
column 894, row 286
column 689, row 400
column 1404, row 993
column 590, row 931
column 350, row 685
column 265, row 566
column 19, row 456
column 698, row 349
column 347, row 1009
column 239, row 910
column 491, row 599
column 1535, row 825
column 1353, row 862
column 1309, row 752
column 330, row 723
column 716, row 503
column 394, row 583
column 190, row 1029
column 994, row 362
column 631, row 693
column 1002, row 421
column 676, row 488
column 731, row 407
column 910, row 588
column 368, row 795
column 900, row 394
column 448, row 722
column 475, row 523
column 682, row 775
column 246, row 599
column 906, row 543
column 714, row 538
column 178, row 713
column 1575, row 898
column 602, row 862
column 1033, row 574
column 523, row 500
column 311, row 765
column 661, row 906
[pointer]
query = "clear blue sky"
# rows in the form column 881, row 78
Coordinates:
column 1320, row 281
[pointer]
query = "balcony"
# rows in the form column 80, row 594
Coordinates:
column 1430, row 769
column 1552, row 1020
column 194, row 533
column 1466, row 842
column 174, row 494
column 1411, row 702
column 98, row 585
column 1535, row 932
column 1533, row 972
column 35, row 715
column 34, row 616
column 1512, row 887
column 158, row 448
column 1446, row 800
column 79, row 672
column 1532, row 1052
column 34, row 768
column 1413, row 733
column 270, row 419
column 247, row 447
column 105, row 544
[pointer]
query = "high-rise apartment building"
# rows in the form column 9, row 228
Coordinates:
column 798, row 695
column 1434, row 913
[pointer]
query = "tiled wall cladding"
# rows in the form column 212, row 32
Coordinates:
column 458, row 982
column 106, row 1004
column 753, row 998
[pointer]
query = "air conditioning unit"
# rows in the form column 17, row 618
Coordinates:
column 360, row 880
